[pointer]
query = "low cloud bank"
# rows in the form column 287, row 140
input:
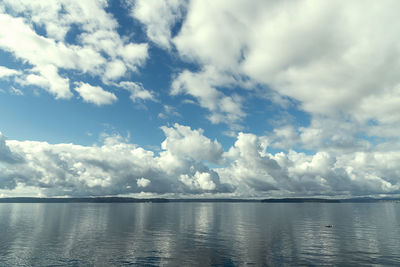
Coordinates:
column 181, row 168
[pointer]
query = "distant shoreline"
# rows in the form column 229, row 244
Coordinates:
column 201, row 200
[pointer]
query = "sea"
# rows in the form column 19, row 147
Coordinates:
column 200, row 234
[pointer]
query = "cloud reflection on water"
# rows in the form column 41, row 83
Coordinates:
column 174, row 234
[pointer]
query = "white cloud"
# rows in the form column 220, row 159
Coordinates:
column 6, row 155
column 185, row 142
column 39, row 51
column 115, row 70
column 254, row 171
column 199, row 180
column 34, row 79
column 6, row 72
column 15, row 91
column 134, row 55
column 45, row 54
column 95, row 94
column 324, row 56
column 318, row 53
column 143, row 182
column 149, row 13
column 57, row 85
column 334, row 134
column 115, row 167
column 284, row 137
column 137, row 91
column 98, row 49
column 213, row 32
column 203, row 86
column 169, row 111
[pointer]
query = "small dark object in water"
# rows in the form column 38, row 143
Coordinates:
column 329, row 226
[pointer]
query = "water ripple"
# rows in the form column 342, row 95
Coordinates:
column 199, row 234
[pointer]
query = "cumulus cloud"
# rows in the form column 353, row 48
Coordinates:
column 203, row 86
column 149, row 13
column 284, row 137
column 199, row 180
column 143, row 182
column 185, row 142
column 168, row 112
column 5, row 153
column 113, row 168
column 247, row 169
column 320, row 54
column 95, row 94
column 114, row 70
column 97, row 49
column 254, row 171
column 137, row 91
column 6, row 72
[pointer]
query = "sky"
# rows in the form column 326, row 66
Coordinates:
column 199, row 98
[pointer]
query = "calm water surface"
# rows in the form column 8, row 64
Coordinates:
column 199, row 234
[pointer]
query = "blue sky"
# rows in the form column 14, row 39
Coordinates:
column 197, row 98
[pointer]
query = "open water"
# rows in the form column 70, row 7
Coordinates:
column 199, row 234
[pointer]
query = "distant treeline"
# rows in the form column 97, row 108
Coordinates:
column 206, row 200
column 300, row 200
column 328, row 200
